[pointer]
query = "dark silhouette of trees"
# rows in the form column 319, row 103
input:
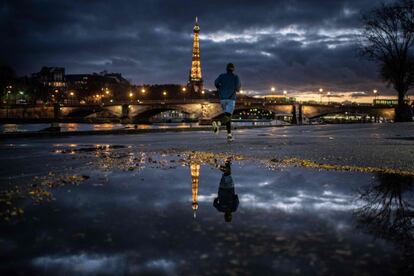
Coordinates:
column 388, row 38
column 388, row 211
column 7, row 77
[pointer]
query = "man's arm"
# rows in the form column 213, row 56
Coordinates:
column 217, row 82
column 238, row 84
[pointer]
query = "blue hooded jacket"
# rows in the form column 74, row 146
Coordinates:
column 228, row 84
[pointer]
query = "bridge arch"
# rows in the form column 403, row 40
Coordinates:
column 143, row 115
column 276, row 110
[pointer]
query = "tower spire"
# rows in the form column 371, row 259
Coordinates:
column 195, row 79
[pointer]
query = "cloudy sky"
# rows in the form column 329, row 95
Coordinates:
column 290, row 44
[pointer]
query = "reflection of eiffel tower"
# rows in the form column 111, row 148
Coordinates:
column 195, row 173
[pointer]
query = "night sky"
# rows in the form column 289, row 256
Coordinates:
column 294, row 45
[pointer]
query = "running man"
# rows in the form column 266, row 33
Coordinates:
column 227, row 85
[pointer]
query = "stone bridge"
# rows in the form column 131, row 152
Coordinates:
column 204, row 110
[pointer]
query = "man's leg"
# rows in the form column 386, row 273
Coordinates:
column 228, row 122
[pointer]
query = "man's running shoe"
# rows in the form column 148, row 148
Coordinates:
column 216, row 127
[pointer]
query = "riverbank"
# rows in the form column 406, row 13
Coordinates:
column 123, row 131
column 364, row 145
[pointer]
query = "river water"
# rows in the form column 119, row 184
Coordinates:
column 65, row 127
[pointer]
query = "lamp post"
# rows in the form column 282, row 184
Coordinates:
column 329, row 96
column 164, row 93
column 71, row 96
column 131, row 96
column 184, row 92
column 320, row 92
column 375, row 91
column 21, row 93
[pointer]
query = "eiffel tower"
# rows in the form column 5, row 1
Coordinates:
column 195, row 80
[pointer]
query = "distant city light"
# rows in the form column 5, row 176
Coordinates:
column 72, row 94
column 142, row 90
column 164, row 93
column 184, row 89
column 320, row 90
column 273, row 89
column 131, row 95
column 284, row 92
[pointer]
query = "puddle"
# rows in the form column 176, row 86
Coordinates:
column 85, row 148
column 197, row 213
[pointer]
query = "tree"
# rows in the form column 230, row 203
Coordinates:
column 388, row 38
column 7, row 76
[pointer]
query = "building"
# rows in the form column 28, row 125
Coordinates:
column 98, row 87
column 388, row 102
column 195, row 80
column 49, row 84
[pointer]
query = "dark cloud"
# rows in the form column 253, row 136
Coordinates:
column 297, row 45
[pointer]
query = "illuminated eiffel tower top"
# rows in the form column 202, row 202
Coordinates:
column 195, row 78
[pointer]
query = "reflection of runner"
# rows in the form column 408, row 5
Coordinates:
column 227, row 200
column 227, row 85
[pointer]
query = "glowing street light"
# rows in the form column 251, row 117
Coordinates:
column 164, row 93
column 284, row 92
column 375, row 91
column 131, row 94
column 329, row 96
column 203, row 92
column 184, row 89
column 143, row 90
column 72, row 93
column 320, row 92
column 272, row 89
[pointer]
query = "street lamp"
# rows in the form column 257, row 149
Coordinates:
column 184, row 89
column 320, row 92
column 329, row 96
column 375, row 91
column 143, row 90
column 164, row 93
column 272, row 89
column 284, row 92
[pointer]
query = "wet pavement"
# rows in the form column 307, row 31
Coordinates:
column 115, row 209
